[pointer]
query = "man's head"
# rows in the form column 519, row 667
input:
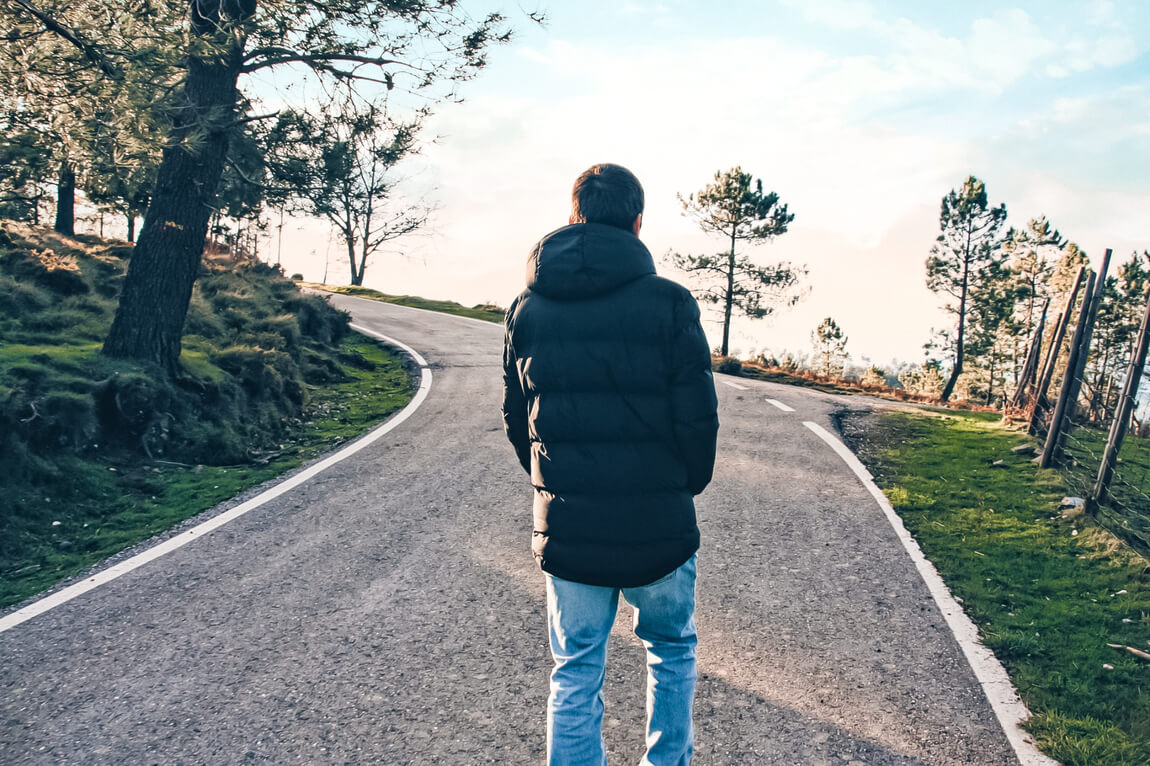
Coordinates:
column 608, row 194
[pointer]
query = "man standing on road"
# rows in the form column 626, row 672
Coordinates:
column 610, row 405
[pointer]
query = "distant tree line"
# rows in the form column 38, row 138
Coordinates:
column 1000, row 283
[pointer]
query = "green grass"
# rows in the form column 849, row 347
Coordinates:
column 1127, row 512
column 97, row 505
column 485, row 311
column 98, row 453
column 1044, row 591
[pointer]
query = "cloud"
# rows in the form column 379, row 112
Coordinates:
column 995, row 52
column 842, row 14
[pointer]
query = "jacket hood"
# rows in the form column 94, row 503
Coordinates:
column 586, row 259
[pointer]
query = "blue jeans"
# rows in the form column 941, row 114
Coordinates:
column 579, row 619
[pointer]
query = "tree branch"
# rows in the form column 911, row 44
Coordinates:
column 91, row 51
column 322, row 60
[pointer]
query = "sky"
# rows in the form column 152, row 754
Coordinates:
column 860, row 115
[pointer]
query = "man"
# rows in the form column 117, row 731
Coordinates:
column 610, row 405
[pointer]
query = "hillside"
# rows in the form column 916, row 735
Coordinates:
column 97, row 454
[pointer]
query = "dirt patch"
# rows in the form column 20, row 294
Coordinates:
column 862, row 431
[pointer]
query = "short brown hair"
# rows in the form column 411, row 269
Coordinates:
column 607, row 194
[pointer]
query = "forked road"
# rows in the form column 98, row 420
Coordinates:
column 389, row 612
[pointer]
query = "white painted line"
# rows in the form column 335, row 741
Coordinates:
column 733, row 384
column 780, row 405
column 408, row 349
column 179, row 541
column 995, row 682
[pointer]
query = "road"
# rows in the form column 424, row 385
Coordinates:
column 389, row 611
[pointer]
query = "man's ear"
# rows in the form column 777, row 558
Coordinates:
column 638, row 224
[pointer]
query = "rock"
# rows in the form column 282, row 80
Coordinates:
column 1071, row 502
column 1023, row 449
column 998, row 464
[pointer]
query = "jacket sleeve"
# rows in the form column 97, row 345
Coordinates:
column 694, row 406
column 514, row 404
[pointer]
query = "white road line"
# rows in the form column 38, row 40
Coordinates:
column 174, row 543
column 995, row 682
column 733, row 384
column 408, row 349
column 780, row 405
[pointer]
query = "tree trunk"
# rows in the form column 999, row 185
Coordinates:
column 66, row 200
column 356, row 277
column 729, row 303
column 131, row 227
column 960, row 340
column 949, row 388
column 167, row 258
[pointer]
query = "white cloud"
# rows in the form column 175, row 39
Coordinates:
column 842, row 14
column 1083, row 55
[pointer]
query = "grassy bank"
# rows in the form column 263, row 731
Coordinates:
column 100, row 505
column 1047, row 592
column 485, row 311
column 98, row 454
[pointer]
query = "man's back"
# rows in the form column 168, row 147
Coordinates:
column 610, row 405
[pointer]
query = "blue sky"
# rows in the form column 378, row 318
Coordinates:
column 861, row 115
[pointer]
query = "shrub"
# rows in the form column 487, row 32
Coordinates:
column 19, row 299
column 67, row 419
column 128, row 403
column 283, row 330
column 319, row 369
column 873, row 376
column 318, row 320
column 728, row 365
column 263, row 373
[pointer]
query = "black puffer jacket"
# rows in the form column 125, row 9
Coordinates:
column 610, row 405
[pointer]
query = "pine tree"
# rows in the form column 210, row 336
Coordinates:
column 969, row 241
column 830, row 348
column 736, row 209
column 990, row 331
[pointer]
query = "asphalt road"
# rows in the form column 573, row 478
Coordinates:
column 390, row 612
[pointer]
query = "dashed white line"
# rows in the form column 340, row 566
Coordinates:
column 733, row 384
column 780, row 405
column 65, row 595
column 988, row 670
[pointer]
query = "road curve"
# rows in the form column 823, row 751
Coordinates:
column 390, row 612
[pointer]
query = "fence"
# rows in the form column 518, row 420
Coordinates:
column 1090, row 426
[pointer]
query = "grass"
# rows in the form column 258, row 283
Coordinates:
column 1127, row 511
column 1047, row 593
column 97, row 454
column 485, row 311
column 97, row 505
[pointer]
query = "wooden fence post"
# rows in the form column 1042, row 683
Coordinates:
column 1121, row 417
column 1039, row 404
column 1058, row 421
column 1030, row 367
column 1080, row 367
